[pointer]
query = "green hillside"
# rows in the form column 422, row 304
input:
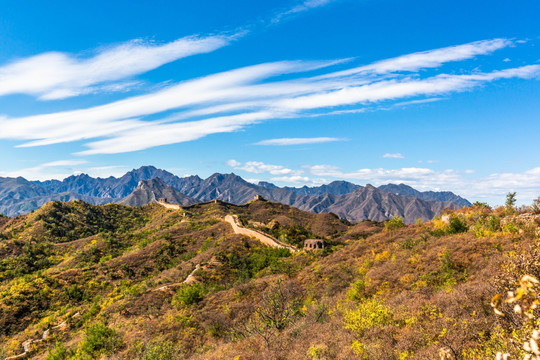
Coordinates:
column 88, row 282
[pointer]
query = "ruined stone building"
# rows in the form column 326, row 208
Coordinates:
column 313, row 244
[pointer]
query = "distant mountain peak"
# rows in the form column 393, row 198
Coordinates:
column 151, row 190
column 406, row 190
column 148, row 183
column 267, row 185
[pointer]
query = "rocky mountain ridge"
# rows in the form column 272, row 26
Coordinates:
column 146, row 184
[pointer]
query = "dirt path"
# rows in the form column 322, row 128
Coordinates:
column 186, row 281
column 265, row 239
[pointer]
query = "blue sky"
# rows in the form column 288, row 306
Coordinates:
column 441, row 95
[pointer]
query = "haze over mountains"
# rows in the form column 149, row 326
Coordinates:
column 146, row 184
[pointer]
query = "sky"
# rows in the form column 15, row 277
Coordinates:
column 439, row 95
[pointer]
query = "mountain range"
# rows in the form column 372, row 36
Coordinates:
column 146, row 184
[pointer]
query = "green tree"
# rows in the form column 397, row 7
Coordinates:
column 510, row 199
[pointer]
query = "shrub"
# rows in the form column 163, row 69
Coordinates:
column 356, row 291
column 280, row 306
column 394, row 223
column 100, row 339
column 59, row 352
column 449, row 273
column 367, row 314
column 456, row 225
column 486, row 226
column 158, row 350
column 74, row 292
column 481, row 205
column 410, row 243
column 188, row 295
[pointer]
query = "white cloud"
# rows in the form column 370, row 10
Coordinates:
column 297, row 141
column 395, row 89
column 300, row 8
column 233, row 163
column 55, row 75
column 258, row 167
column 106, row 171
column 428, row 59
column 417, row 102
column 59, row 169
column 297, row 179
column 151, row 135
column 393, row 156
column 492, row 187
column 378, row 175
column 232, row 100
column 64, row 163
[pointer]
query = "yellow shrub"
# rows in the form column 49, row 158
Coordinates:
column 367, row 314
column 385, row 255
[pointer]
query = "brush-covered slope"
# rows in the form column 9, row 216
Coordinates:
column 149, row 191
column 108, row 282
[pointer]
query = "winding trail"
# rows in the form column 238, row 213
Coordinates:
column 186, row 281
column 26, row 345
column 265, row 239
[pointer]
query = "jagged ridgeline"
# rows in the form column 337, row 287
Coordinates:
column 223, row 281
column 147, row 184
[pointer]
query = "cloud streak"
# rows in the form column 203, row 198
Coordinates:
column 59, row 169
column 56, row 75
column 258, row 167
column 393, row 156
column 301, row 7
column 231, row 100
column 297, row 141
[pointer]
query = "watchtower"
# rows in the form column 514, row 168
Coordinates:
column 314, row 244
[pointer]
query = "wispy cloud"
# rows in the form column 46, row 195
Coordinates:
column 297, row 141
column 59, row 169
column 428, row 59
column 258, row 167
column 106, row 171
column 300, row 8
column 232, row 100
column 56, row 75
column 393, row 156
column 420, row 101
column 377, row 175
column 295, row 179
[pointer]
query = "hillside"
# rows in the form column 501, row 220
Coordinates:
column 352, row 202
column 84, row 281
